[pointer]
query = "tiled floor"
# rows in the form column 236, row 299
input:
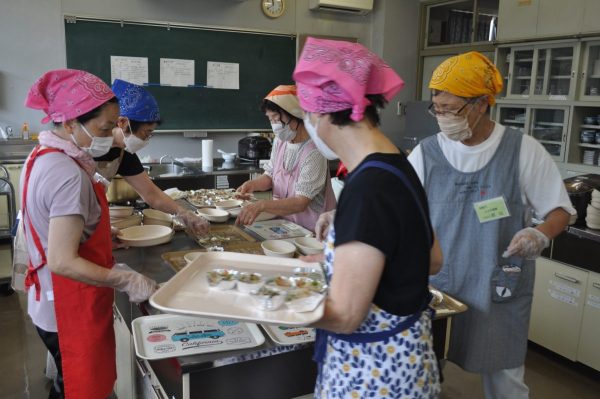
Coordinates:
column 23, row 360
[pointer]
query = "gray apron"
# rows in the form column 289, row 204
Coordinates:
column 108, row 169
column 492, row 334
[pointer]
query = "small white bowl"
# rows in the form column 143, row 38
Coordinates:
column 228, row 156
column 248, row 282
column 145, row 236
column 278, row 248
column 214, row 215
column 309, row 245
column 120, row 211
column 303, row 300
column 191, row 256
column 129, row 221
column 228, row 204
column 268, row 298
column 221, row 279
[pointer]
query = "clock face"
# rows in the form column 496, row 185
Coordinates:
column 273, row 8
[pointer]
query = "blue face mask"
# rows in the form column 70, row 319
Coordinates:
column 321, row 146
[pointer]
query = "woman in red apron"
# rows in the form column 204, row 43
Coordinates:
column 71, row 278
column 297, row 173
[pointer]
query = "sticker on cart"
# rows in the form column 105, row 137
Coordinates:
column 162, row 336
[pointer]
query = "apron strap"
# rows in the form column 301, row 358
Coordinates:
column 31, row 278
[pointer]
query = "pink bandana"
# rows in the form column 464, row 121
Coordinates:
column 65, row 94
column 335, row 75
column 49, row 139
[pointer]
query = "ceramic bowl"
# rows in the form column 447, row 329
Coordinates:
column 145, row 236
column 248, row 282
column 153, row 216
column 229, row 156
column 278, row 248
column 214, row 215
column 228, row 204
column 120, row 211
column 129, row 221
column 309, row 245
column 315, row 285
column 589, row 120
column 191, row 256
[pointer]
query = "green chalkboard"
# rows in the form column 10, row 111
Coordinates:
column 265, row 61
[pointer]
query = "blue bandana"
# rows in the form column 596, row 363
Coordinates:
column 135, row 102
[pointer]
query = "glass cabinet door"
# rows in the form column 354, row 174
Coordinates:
column 522, row 62
column 561, row 71
column 513, row 117
column 540, row 72
column 591, row 72
column 548, row 126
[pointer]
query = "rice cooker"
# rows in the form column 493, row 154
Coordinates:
column 254, row 148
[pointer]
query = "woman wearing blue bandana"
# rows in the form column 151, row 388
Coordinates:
column 139, row 116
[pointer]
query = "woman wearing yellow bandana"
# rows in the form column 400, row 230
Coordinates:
column 472, row 165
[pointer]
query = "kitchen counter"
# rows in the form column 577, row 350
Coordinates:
column 263, row 368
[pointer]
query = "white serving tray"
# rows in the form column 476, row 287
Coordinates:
column 286, row 335
column 188, row 291
column 278, row 229
column 163, row 336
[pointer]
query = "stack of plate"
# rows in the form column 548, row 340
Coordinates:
column 589, row 157
column 145, row 236
column 154, row 217
column 122, row 217
column 593, row 211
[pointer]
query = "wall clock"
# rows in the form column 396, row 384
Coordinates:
column 273, row 8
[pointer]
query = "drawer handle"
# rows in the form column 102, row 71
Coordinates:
column 597, row 285
column 142, row 368
column 567, row 278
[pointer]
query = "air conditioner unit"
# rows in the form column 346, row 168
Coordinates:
column 355, row 7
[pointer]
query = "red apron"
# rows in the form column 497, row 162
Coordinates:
column 84, row 314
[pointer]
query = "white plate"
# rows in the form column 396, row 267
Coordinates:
column 146, row 236
column 163, row 336
column 214, row 215
column 188, row 291
column 232, row 203
column 120, row 211
column 286, row 335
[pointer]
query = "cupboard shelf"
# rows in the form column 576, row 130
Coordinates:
column 586, row 145
column 519, row 122
column 550, row 142
column 591, row 126
column 548, row 124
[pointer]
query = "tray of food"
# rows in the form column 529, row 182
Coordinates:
column 205, row 197
column 224, row 235
column 287, row 335
column 278, row 229
column 445, row 305
column 246, row 287
column 163, row 336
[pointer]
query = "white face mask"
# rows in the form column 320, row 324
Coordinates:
column 455, row 127
column 99, row 145
column 321, row 146
column 132, row 142
column 283, row 132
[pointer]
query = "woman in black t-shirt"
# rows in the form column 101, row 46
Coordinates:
column 375, row 337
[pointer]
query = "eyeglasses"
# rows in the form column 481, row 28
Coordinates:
column 432, row 111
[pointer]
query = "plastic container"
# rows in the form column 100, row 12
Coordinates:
column 25, row 131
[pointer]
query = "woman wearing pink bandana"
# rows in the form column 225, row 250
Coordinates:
column 374, row 339
column 65, row 214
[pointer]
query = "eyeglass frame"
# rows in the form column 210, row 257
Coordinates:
column 431, row 110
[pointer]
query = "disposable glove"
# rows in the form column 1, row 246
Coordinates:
column 527, row 243
column 196, row 224
column 139, row 287
column 324, row 221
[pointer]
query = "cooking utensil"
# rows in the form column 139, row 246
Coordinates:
column 120, row 191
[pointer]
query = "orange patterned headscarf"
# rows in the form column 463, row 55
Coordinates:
column 468, row 75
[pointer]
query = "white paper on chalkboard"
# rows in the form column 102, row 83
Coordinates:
column 129, row 69
column 223, row 75
column 176, row 72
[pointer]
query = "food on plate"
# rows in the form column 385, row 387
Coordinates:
column 281, row 282
column 308, row 272
column 209, row 197
column 223, row 279
column 268, row 298
column 309, row 283
column 248, row 282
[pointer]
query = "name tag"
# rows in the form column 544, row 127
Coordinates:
column 50, row 296
column 492, row 209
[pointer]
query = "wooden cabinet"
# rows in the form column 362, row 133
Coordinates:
column 541, row 19
column 557, row 310
column 589, row 350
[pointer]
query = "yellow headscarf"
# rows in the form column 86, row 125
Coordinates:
column 468, row 75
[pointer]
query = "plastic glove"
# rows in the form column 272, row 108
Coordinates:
column 139, row 287
column 324, row 221
column 196, row 224
column 527, row 243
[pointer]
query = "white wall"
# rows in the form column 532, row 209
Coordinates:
column 32, row 42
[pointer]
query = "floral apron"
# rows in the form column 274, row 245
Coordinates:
column 388, row 356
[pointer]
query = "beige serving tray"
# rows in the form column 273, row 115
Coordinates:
column 188, row 291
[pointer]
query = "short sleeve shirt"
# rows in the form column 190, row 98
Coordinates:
column 130, row 164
